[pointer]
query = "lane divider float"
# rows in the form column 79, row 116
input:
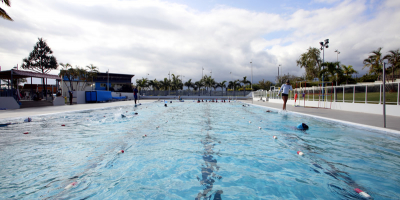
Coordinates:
column 362, row 193
column 70, row 185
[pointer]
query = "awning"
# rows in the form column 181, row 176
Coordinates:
column 25, row 74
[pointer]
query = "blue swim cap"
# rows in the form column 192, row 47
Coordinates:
column 302, row 126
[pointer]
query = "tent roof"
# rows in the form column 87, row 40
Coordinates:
column 25, row 74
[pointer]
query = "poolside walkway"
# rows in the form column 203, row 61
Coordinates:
column 357, row 118
column 29, row 112
column 364, row 119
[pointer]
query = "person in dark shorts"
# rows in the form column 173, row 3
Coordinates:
column 285, row 93
column 135, row 91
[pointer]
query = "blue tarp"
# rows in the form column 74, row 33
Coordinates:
column 97, row 96
column 119, row 98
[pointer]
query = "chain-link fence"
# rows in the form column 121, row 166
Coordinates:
column 193, row 93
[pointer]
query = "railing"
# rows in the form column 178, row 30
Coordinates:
column 8, row 93
column 193, row 93
column 366, row 93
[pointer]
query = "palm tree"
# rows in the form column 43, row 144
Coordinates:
column 154, row 84
column 141, row 83
column 222, row 85
column 394, row 60
column 348, row 70
column 198, row 85
column 189, row 84
column 245, row 82
column 374, row 61
column 68, row 72
column 3, row 13
column 332, row 70
column 165, row 84
column 92, row 73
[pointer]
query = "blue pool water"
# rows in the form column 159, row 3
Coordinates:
column 200, row 150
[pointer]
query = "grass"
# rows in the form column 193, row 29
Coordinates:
column 372, row 97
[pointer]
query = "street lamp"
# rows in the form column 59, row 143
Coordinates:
column 278, row 71
column 337, row 57
column 323, row 46
column 169, row 88
column 337, row 60
column 251, row 66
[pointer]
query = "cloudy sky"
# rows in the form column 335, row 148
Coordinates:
column 156, row 37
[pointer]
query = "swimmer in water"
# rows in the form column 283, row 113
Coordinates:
column 302, row 126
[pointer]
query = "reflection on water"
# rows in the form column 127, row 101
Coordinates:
column 208, row 171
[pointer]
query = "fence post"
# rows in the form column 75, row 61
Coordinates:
column 380, row 93
column 343, row 94
column 366, row 94
column 313, row 93
column 334, row 93
column 354, row 92
column 398, row 93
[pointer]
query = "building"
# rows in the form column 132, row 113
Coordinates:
column 115, row 82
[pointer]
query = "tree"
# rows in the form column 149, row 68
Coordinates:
column 265, row 85
column 189, row 84
column 198, row 85
column 3, row 13
column 92, row 73
column 394, row 60
column 311, row 61
column 245, row 82
column 374, row 62
column 69, row 73
column 40, row 59
column 348, row 70
column 165, row 84
column 155, row 84
column 332, row 71
column 223, row 85
column 176, row 83
column 141, row 83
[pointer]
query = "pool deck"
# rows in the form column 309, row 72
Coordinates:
column 355, row 118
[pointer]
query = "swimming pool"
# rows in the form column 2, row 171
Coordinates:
column 191, row 151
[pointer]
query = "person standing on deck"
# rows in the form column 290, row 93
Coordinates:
column 285, row 92
column 135, row 91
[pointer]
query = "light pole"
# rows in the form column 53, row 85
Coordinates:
column 251, row 66
column 107, row 78
column 337, row 57
column 278, row 72
column 231, row 77
column 337, row 60
column 182, row 81
column 323, row 46
column 169, row 87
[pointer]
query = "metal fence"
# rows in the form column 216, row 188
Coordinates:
column 193, row 93
column 365, row 93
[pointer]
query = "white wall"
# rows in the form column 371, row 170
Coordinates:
column 393, row 110
column 80, row 97
column 59, row 101
column 8, row 103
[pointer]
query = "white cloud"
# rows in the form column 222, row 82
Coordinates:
column 155, row 37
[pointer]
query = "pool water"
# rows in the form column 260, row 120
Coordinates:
column 194, row 151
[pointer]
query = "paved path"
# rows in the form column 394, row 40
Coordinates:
column 27, row 112
column 364, row 119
